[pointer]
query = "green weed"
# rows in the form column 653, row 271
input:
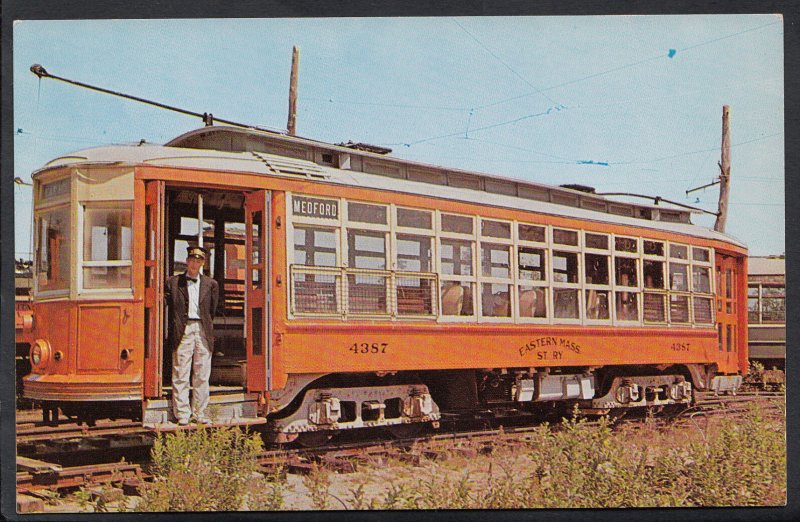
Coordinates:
column 202, row 470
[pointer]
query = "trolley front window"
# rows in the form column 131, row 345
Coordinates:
column 107, row 237
column 53, row 249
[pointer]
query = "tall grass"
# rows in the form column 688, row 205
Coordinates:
column 734, row 461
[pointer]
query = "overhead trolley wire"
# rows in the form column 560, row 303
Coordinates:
column 627, row 66
column 507, row 66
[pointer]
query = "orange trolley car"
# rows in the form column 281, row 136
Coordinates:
column 360, row 290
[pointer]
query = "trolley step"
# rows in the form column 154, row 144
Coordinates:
column 224, row 408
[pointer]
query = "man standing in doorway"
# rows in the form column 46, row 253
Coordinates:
column 192, row 299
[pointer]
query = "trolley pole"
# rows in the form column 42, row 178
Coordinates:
column 292, row 124
column 725, row 171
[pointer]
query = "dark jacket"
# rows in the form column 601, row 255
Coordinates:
column 176, row 296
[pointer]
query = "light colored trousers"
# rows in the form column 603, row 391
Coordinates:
column 193, row 355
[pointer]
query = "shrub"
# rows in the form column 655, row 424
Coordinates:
column 742, row 464
column 318, row 483
column 587, row 465
column 266, row 493
column 202, row 470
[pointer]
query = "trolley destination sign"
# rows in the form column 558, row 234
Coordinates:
column 315, row 207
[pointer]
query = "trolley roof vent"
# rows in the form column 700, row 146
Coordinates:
column 375, row 149
column 580, row 188
column 291, row 167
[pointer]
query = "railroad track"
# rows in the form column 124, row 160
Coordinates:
column 711, row 405
column 28, row 433
column 341, row 454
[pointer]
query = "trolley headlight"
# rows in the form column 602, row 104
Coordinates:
column 40, row 353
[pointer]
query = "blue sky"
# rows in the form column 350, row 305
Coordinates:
column 622, row 103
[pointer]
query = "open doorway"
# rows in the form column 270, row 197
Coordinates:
column 214, row 219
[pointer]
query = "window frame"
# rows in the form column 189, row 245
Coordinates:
column 663, row 292
column 470, row 281
column 760, row 286
column 43, row 205
column 53, row 292
column 576, row 286
column 638, row 288
column 696, row 294
column 336, row 224
column 304, row 226
column 687, row 293
column 83, row 206
column 596, row 287
column 378, row 229
column 521, row 285
column 764, row 298
column 508, row 244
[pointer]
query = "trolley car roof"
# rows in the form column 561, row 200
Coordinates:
column 279, row 166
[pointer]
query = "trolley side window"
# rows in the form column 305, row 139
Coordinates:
column 679, row 269
column 702, row 279
column 532, row 272
column 316, row 255
column 654, row 307
column 566, row 293
column 597, row 276
column 314, row 246
column 315, row 291
column 413, row 218
column 626, row 279
column 367, row 288
column 496, row 275
column 458, row 289
column 532, row 277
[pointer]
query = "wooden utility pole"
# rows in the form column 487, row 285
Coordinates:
column 725, row 171
column 291, row 126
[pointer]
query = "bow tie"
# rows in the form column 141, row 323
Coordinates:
column 192, row 279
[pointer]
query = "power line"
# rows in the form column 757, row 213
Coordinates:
column 60, row 138
column 696, row 151
column 626, row 66
column 507, row 66
column 524, row 149
column 549, row 110
column 382, row 104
